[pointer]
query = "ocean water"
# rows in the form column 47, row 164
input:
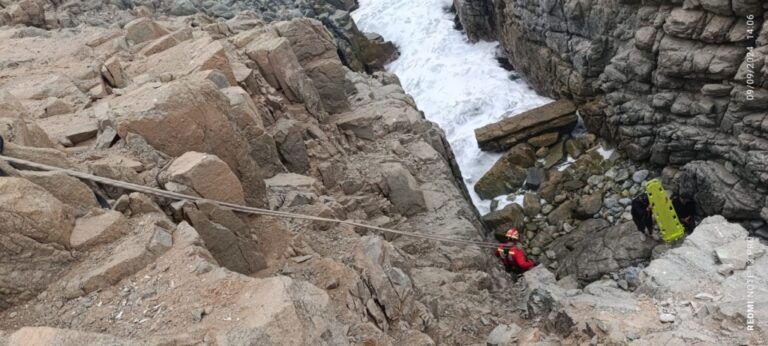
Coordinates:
column 458, row 84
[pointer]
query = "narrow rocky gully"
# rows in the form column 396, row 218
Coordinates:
column 181, row 138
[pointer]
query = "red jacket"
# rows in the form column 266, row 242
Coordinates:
column 513, row 257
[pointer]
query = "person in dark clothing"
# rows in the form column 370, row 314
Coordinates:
column 685, row 207
column 641, row 214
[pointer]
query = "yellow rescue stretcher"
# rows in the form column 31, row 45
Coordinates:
column 664, row 212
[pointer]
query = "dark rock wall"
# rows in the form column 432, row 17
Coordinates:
column 669, row 82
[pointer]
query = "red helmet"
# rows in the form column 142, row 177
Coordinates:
column 513, row 234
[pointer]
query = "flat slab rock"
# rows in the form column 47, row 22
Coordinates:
column 556, row 116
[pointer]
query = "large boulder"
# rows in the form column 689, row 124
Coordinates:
column 189, row 114
column 501, row 220
column 508, row 173
column 555, row 116
column 29, row 210
column 34, row 228
column 204, row 175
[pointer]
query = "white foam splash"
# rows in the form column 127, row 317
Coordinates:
column 457, row 84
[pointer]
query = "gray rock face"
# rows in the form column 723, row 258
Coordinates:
column 667, row 81
column 594, row 249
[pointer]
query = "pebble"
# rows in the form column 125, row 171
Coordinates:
column 623, row 284
column 640, row 176
column 625, row 201
column 547, row 209
column 595, row 180
column 704, row 296
column 621, row 176
column 560, row 198
column 536, row 251
column 611, row 203
column 197, row 314
column 667, row 318
column 551, row 254
column 333, row 284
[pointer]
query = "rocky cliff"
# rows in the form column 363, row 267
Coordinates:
column 675, row 83
column 241, row 111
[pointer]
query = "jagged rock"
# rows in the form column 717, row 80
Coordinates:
column 377, row 119
column 501, row 220
column 143, row 29
column 595, row 249
column 574, row 148
column 534, row 177
column 112, row 72
column 561, row 214
column 389, row 285
column 718, row 191
column 279, row 65
column 555, row 116
column 204, row 175
column 98, row 229
column 228, row 238
column 290, row 143
column 554, row 156
column 401, row 188
column 316, row 52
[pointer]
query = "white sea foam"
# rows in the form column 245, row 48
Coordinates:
column 457, row 84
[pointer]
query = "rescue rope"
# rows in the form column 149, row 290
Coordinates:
column 235, row 207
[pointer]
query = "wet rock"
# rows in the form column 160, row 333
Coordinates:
column 503, row 178
column 555, row 116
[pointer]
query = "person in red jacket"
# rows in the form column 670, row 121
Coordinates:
column 511, row 256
